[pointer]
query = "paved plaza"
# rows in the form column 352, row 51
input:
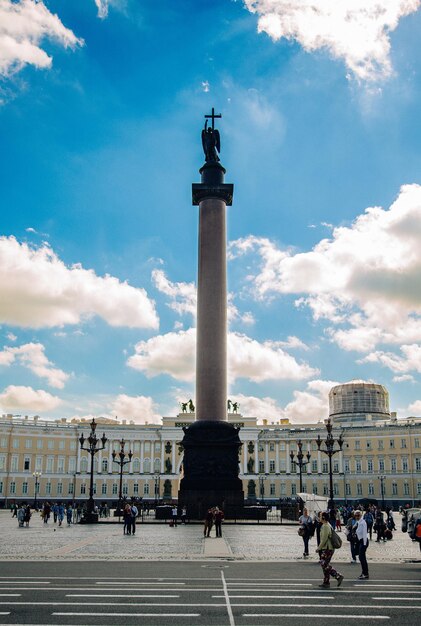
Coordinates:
column 156, row 541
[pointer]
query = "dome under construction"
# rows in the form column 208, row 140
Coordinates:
column 358, row 401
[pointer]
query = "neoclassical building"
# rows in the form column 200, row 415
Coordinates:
column 381, row 456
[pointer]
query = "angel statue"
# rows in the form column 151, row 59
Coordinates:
column 211, row 143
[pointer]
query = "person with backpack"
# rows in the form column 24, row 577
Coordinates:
column 369, row 520
column 379, row 525
column 326, row 550
column 362, row 536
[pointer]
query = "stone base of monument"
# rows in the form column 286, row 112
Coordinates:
column 210, row 469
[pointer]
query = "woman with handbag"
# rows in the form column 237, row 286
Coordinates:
column 326, row 550
column 306, row 530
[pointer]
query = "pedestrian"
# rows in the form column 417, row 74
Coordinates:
column 46, row 512
column 60, row 513
column 351, row 527
column 21, row 516
column 379, row 525
column 361, row 532
column 134, row 514
column 317, row 524
column 332, row 518
column 369, row 520
column 390, row 522
column 218, row 517
column 174, row 515
column 325, row 550
column 183, row 515
column 55, row 512
column 417, row 531
column 208, row 522
column 28, row 514
column 14, row 510
column 127, row 518
column 69, row 514
column 306, row 528
column 338, row 521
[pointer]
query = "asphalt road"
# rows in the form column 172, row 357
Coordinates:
column 208, row 593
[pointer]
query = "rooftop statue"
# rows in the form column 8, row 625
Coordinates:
column 211, row 143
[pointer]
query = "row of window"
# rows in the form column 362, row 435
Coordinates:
column 52, row 444
column 368, row 445
column 147, row 489
column 49, row 466
column 356, row 466
column 48, row 491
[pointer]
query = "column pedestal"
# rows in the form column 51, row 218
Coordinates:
column 210, row 464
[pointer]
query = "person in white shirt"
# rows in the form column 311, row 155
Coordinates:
column 362, row 544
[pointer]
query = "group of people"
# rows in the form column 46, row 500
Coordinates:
column 59, row 512
column 130, row 513
column 214, row 517
column 359, row 525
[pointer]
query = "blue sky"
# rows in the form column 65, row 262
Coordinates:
column 101, row 110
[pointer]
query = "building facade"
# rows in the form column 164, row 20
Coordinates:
column 381, row 459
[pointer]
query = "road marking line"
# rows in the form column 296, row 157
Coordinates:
column 227, row 600
column 125, row 584
column 124, row 614
column 337, row 606
column 27, row 582
column 397, row 599
column 393, row 586
column 10, row 595
column 125, row 604
column 49, row 589
column 116, row 595
column 273, row 584
column 308, row 615
column 321, row 597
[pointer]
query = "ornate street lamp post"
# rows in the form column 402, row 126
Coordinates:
column 93, row 447
column 300, row 461
column 157, row 479
column 122, row 461
column 262, row 480
column 37, row 476
column 330, row 450
column 382, row 478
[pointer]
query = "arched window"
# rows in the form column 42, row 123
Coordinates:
column 104, row 465
column 157, row 465
column 84, row 464
column 147, row 466
column 136, row 466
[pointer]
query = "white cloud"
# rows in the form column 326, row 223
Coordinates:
column 413, row 409
column 32, row 356
column 262, row 408
column 26, row 398
column 356, row 31
column 38, row 290
column 11, row 337
column 174, row 354
column 404, row 378
column 23, row 26
column 409, row 361
column 139, row 409
column 102, row 8
column 183, row 298
column 311, row 405
column 365, row 277
column 205, row 86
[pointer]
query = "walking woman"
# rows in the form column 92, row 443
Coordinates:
column 326, row 550
column 307, row 529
